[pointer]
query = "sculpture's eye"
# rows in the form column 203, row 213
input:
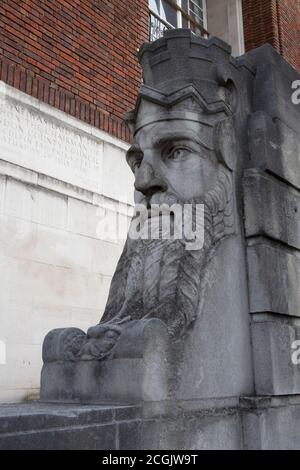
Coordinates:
column 177, row 154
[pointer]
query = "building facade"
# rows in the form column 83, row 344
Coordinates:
column 68, row 73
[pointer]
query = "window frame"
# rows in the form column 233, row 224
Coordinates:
column 177, row 5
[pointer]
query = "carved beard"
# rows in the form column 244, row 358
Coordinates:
column 161, row 278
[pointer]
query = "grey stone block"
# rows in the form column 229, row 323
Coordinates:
column 274, row 279
column 137, row 372
column 200, row 424
column 274, row 147
column 214, row 432
column 81, row 427
column 44, row 426
column 126, row 413
column 273, row 86
column 271, row 424
column 272, row 208
column 274, row 371
column 252, row 423
column 29, row 417
column 130, row 435
column 92, row 437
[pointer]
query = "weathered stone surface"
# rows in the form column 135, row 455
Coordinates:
column 274, row 147
column 176, row 327
column 29, row 417
column 49, row 147
column 272, row 208
column 274, row 371
column 273, row 86
column 185, row 151
column 137, row 370
column 271, row 423
column 42, row 426
column 212, row 432
column 256, row 423
column 93, row 437
column 38, row 137
column 217, row 349
column 274, row 279
column 55, row 265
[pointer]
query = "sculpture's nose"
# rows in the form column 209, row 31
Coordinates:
column 147, row 182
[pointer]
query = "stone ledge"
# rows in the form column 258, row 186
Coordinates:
column 263, row 402
column 264, row 423
column 27, row 417
column 48, row 426
column 40, row 180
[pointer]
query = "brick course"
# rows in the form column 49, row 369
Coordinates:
column 76, row 55
column 79, row 55
column 276, row 22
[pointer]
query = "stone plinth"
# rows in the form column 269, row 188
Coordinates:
column 254, row 423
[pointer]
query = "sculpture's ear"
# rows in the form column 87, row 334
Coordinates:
column 225, row 142
column 224, row 132
column 227, row 88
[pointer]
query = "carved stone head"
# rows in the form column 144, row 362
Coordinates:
column 183, row 152
column 182, row 120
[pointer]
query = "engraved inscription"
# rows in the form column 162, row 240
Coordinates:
column 40, row 143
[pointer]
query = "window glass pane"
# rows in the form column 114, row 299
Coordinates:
column 154, row 6
column 184, row 5
column 185, row 23
column 197, row 17
column 196, row 12
column 195, row 8
column 198, row 3
column 157, row 26
column 168, row 13
column 164, row 16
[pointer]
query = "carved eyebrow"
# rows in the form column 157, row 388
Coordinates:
column 174, row 136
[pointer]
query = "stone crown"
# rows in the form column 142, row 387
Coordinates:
column 181, row 56
column 181, row 65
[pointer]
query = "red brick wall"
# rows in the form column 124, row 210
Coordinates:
column 276, row 22
column 77, row 55
column 289, row 31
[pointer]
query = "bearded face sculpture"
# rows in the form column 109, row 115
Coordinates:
column 175, row 161
column 183, row 154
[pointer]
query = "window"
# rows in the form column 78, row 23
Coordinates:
column 168, row 14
